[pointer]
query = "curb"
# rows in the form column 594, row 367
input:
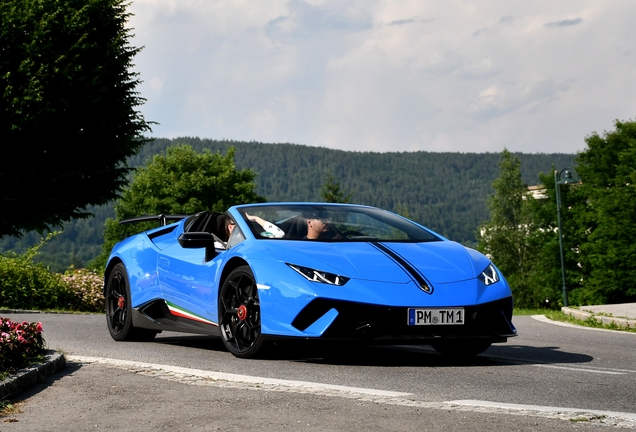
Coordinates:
column 19, row 311
column 24, row 379
column 29, row 311
column 584, row 316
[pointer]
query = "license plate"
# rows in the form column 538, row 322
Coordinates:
column 447, row 316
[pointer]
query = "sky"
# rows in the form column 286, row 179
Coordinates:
column 533, row 76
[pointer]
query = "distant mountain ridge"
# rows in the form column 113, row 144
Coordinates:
column 446, row 192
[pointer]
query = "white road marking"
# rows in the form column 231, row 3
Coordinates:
column 598, row 371
column 244, row 379
column 565, row 366
column 544, row 319
column 591, row 369
column 220, row 379
column 546, row 409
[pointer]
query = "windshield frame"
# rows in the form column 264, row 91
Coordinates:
column 381, row 225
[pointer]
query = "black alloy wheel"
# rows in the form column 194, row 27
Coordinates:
column 240, row 314
column 118, row 308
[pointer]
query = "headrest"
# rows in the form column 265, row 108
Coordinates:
column 315, row 214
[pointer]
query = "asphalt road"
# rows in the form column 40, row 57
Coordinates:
column 548, row 366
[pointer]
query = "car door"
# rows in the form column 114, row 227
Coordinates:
column 188, row 282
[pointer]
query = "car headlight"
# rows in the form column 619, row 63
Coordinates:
column 320, row 276
column 489, row 276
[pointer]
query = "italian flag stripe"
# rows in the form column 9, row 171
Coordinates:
column 180, row 312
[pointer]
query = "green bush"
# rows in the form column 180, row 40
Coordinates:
column 28, row 285
column 20, row 344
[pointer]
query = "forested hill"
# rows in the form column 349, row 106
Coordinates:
column 444, row 191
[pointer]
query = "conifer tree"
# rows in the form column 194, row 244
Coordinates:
column 68, row 109
column 505, row 238
column 332, row 192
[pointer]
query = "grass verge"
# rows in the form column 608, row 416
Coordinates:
column 563, row 317
column 519, row 312
column 8, row 310
column 590, row 322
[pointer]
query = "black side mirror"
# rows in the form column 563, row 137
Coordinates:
column 196, row 240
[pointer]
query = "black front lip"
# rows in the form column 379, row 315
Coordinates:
column 383, row 324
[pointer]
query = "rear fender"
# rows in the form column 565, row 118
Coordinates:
column 139, row 256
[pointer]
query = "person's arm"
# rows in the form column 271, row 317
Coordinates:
column 267, row 226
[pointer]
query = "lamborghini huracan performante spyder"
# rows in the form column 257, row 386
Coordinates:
column 305, row 271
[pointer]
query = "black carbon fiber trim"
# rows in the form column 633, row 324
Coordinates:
column 155, row 315
column 159, row 233
column 417, row 277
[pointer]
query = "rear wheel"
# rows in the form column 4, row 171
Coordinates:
column 240, row 314
column 118, row 308
column 461, row 348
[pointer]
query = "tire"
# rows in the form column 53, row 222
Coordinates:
column 119, row 309
column 240, row 314
column 461, row 348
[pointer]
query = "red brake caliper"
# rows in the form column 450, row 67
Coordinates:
column 121, row 302
column 242, row 312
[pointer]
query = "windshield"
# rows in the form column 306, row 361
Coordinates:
column 338, row 223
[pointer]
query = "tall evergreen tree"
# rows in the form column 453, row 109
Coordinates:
column 332, row 192
column 68, row 109
column 506, row 237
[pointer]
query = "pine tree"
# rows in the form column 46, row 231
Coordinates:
column 505, row 239
column 331, row 191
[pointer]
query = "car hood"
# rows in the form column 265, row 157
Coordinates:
column 439, row 262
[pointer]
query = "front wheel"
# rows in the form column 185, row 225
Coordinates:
column 461, row 348
column 240, row 314
column 118, row 308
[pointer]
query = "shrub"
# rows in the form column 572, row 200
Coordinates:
column 87, row 288
column 28, row 285
column 20, row 344
column 25, row 285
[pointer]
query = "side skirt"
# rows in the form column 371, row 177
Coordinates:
column 160, row 315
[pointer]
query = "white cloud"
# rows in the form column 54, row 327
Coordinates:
column 387, row 75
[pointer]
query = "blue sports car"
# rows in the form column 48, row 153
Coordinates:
column 305, row 271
